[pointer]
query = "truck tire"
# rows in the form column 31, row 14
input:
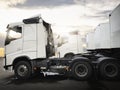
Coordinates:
column 22, row 70
column 81, row 70
column 109, row 70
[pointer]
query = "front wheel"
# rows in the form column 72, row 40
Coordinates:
column 81, row 70
column 22, row 70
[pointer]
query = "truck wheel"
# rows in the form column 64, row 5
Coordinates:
column 22, row 70
column 109, row 70
column 81, row 70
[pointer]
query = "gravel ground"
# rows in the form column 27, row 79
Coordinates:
column 9, row 82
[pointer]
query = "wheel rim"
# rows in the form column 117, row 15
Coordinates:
column 111, row 70
column 22, row 70
column 81, row 70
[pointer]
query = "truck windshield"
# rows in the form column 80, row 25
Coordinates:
column 13, row 34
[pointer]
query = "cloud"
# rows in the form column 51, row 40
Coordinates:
column 9, row 3
column 104, row 12
column 101, row 15
column 43, row 3
column 55, row 3
column 103, row 2
column 50, row 3
column 15, row 2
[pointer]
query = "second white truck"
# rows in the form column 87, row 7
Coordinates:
column 72, row 47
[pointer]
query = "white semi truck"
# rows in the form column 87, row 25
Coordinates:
column 72, row 47
column 29, row 46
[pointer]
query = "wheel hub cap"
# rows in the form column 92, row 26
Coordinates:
column 22, row 70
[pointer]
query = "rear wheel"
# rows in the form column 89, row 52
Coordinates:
column 81, row 70
column 22, row 70
column 109, row 70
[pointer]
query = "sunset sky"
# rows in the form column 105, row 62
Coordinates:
column 64, row 15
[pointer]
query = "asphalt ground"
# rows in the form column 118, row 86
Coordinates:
column 9, row 82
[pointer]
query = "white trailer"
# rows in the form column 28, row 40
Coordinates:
column 114, row 18
column 102, row 36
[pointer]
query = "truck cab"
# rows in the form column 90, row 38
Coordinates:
column 31, row 39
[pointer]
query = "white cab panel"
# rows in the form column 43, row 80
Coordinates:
column 14, row 46
column 41, row 41
column 10, row 57
column 29, row 41
column 29, row 32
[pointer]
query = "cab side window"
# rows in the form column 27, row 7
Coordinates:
column 15, row 33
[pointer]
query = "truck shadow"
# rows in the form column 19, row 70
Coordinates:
column 57, row 80
column 35, row 79
column 96, row 85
